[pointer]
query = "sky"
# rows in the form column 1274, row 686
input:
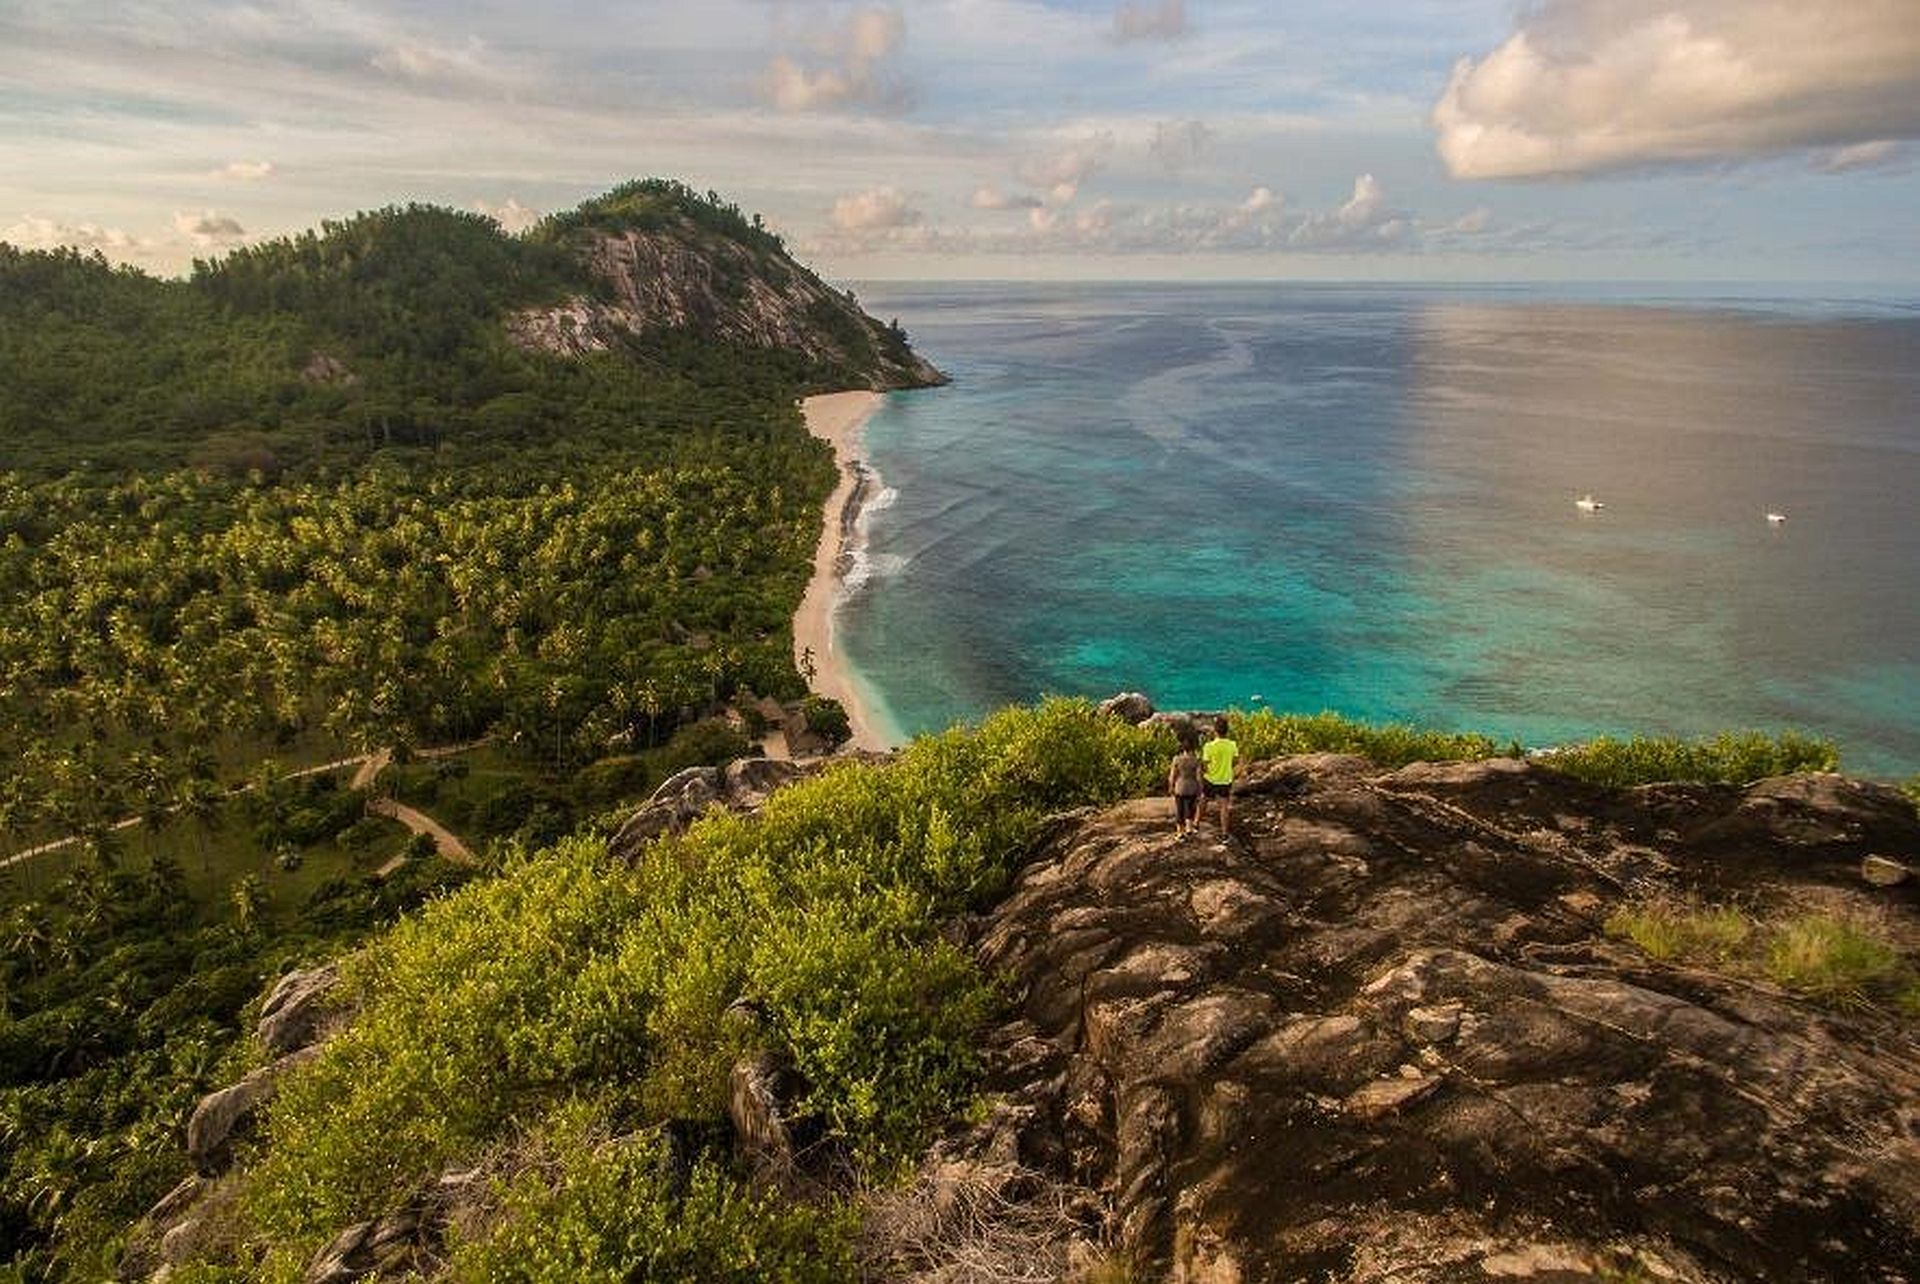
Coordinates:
column 1646, row 140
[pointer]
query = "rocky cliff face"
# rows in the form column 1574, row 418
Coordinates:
column 677, row 276
column 1380, row 1033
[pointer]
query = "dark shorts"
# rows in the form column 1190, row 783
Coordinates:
column 1218, row 791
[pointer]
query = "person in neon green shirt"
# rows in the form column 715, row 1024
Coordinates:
column 1221, row 756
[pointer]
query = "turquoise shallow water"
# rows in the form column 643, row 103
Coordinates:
column 1361, row 499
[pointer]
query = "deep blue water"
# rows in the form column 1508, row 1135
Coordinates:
column 1360, row 498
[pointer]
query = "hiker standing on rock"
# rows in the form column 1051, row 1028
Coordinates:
column 1221, row 755
column 1183, row 782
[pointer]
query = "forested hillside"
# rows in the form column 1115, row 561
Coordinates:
column 317, row 499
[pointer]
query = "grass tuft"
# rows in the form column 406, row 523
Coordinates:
column 1832, row 959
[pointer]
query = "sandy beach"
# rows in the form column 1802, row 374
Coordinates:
column 837, row 418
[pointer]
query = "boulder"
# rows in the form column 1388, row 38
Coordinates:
column 220, row 1116
column 761, row 1091
column 685, row 796
column 1129, row 706
column 1883, row 871
column 678, row 783
column 746, row 782
column 291, row 1017
column 385, row 1246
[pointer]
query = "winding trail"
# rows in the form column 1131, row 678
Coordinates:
column 367, row 769
column 444, row 839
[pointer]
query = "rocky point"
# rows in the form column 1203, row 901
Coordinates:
column 1380, row 1032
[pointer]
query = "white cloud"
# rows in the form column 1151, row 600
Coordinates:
column 1061, row 173
column 419, row 61
column 1164, row 20
column 1261, row 222
column 878, row 210
column 1363, row 223
column 1881, row 153
column 1178, row 143
column 207, row 229
column 246, row 171
column 854, row 74
column 1473, row 222
column 992, row 198
column 513, row 217
column 1588, row 86
column 35, row 233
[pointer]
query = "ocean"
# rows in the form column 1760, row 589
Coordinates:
column 1362, row 498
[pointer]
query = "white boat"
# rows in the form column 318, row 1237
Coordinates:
column 1774, row 519
column 1588, row 504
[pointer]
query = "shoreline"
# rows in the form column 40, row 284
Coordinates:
column 839, row 419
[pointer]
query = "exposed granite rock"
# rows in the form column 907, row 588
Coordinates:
column 386, row 1246
column 1381, row 1034
column 322, row 367
column 295, row 1009
column 761, row 1091
column 220, row 1116
column 1128, row 706
column 681, row 799
column 676, row 277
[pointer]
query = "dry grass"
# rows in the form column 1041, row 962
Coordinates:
column 962, row 1222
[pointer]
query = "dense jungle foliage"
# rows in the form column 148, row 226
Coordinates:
column 308, row 502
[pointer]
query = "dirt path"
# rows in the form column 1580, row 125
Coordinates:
column 448, row 843
column 367, row 769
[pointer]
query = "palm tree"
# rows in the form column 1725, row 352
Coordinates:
column 249, row 899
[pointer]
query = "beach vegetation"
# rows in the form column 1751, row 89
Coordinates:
column 826, row 717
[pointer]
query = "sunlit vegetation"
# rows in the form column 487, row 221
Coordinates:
column 1266, row 734
column 310, row 502
column 1832, row 958
column 1733, row 758
column 581, row 1006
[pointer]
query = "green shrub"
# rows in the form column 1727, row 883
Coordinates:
column 574, row 974
column 826, row 717
column 612, row 780
column 1266, row 734
column 1735, row 758
column 621, row 1213
column 702, row 744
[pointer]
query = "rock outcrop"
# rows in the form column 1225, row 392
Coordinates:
column 1381, row 1033
column 678, row 276
column 296, row 1010
column 685, row 796
column 221, row 1116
